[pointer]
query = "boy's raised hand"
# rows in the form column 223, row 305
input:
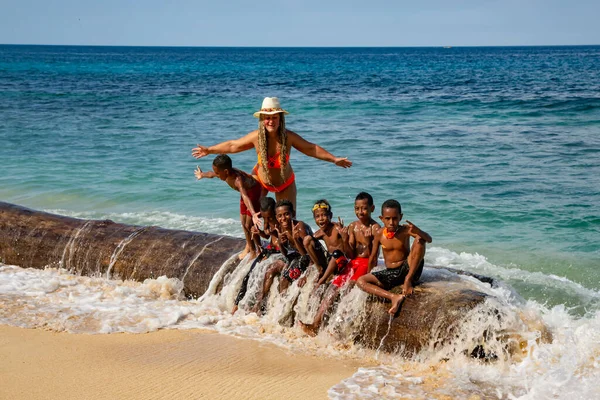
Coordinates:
column 296, row 231
column 412, row 229
column 281, row 236
column 200, row 151
column 198, row 172
column 343, row 230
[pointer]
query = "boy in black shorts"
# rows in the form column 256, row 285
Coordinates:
column 403, row 263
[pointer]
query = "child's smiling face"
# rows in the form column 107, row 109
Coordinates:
column 269, row 217
column 283, row 215
column 363, row 210
column 322, row 217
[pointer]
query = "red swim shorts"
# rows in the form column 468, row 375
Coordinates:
column 254, row 195
column 354, row 270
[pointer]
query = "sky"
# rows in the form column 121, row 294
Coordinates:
column 300, row 23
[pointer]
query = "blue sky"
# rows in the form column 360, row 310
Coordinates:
column 300, row 23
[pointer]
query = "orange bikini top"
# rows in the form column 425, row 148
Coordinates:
column 274, row 161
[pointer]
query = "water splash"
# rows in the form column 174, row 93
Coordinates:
column 202, row 252
column 70, row 246
column 120, row 247
column 522, row 367
column 384, row 337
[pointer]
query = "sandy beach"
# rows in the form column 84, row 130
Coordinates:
column 39, row 364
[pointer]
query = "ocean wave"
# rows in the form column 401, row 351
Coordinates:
column 479, row 264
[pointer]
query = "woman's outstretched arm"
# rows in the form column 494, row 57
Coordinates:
column 227, row 147
column 316, row 151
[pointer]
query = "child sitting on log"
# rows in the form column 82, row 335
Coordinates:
column 290, row 240
column 350, row 248
column 266, row 230
column 403, row 263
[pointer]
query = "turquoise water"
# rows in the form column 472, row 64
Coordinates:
column 493, row 151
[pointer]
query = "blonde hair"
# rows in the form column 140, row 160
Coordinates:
column 263, row 147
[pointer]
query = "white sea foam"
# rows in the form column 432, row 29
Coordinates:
column 165, row 219
column 566, row 367
column 479, row 264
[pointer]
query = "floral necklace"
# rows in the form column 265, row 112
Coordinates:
column 388, row 234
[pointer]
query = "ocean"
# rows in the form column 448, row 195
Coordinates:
column 492, row 150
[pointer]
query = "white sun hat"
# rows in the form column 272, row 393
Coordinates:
column 270, row 106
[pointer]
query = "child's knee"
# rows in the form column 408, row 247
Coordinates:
column 419, row 244
column 361, row 281
column 271, row 272
column 308, row 241
column 332, row 263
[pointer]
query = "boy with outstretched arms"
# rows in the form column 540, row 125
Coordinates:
column 268, row 231
column 403, row 263
column 357, row 245
column 250, row 194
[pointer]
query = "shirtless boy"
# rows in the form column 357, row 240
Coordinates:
column 403, row 263
column 268, row 231
column 357, row 246
column 290, row 240
column 250, row 190
column 334, row 234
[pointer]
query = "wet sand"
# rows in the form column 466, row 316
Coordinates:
column 39, row 364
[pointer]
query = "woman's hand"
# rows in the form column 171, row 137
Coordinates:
column 200, row 151
column 343, row 162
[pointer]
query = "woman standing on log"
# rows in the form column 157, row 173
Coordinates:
column 273, row 144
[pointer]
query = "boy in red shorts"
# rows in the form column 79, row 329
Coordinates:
column 357, row 243
column 250, row 194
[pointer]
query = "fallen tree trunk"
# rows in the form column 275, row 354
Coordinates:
column 33, row 239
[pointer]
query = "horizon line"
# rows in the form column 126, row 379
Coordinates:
column 299, row 47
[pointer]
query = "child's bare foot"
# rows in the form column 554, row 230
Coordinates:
column 235, row 308
column 253, row 254
column 257, row 308
column 309, row 329
column 396, row 302
column 302, row 281
column 244, row 253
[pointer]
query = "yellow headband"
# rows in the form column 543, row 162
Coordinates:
column 321, row 205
